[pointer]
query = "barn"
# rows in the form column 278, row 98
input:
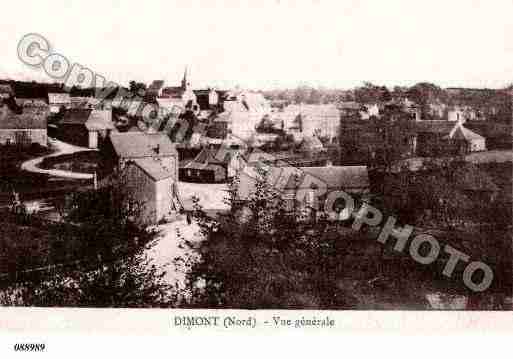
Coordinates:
column 86, row 127
column 149, row 167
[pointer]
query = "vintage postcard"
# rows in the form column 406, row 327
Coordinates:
column 177, row 166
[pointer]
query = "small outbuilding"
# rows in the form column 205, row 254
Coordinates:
column 85, row 127
column 213, row 165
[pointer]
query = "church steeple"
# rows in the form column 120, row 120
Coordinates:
column 185, row 82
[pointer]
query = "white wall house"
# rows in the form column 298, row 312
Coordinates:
column 99, row 126
column 58, row 100
column 475, row 142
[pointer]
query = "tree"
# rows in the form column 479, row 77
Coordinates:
column 392, row 134
column 261, row 255
column 370, row 93
column 95, row 258
column 137, row 87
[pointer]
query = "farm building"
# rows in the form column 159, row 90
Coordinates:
column 149, row 167
column 22, row 125
column 213, row 165
column 85, row 127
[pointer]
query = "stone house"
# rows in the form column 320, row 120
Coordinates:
column 148, row 165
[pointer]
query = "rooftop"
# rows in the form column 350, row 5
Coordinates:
column 140, row 144
column 463, row 133
column 348, row 178
column 154, row 167
column 208, row 155
column 100, row 120
column 77, row 116
column 335, row 177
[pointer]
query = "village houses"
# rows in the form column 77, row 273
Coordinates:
column 307, row 187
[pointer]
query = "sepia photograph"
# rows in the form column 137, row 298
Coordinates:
column 326, row 157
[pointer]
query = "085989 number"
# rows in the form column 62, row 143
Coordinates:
column 29, row 347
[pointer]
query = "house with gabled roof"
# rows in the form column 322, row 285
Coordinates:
column 148, row 164
column 474, row 141
column 442, row 137
column 213, row 165
column 86, row 127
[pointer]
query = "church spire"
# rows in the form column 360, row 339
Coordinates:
column 185, row 82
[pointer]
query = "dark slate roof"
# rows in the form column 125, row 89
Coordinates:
column 29, row 118
column 208, row 155
column 140, row 144
column 77, row 116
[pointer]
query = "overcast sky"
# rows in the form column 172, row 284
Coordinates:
column 266, row 44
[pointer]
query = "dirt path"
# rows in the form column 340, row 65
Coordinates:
column 61, row 149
